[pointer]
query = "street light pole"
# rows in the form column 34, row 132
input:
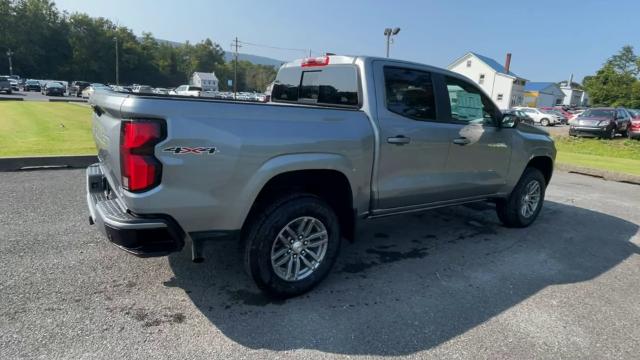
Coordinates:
column 9, row 54
column 389, row 32
column 115, row 38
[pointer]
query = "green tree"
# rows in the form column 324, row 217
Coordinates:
column 610, row 87
column 625, row 61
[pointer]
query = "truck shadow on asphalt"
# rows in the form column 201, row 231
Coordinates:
column 409, row 283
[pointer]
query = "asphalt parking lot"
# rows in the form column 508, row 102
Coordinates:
column 449, row 283
column 37, row 96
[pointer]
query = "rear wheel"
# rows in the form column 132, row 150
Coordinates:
column 524, row 203
column 544, row 122
column 291, row 245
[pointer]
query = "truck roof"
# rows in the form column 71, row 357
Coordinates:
column 352, row 59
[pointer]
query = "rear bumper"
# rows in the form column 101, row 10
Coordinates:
column 141, row 235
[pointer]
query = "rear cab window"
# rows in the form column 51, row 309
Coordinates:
column 331, row 85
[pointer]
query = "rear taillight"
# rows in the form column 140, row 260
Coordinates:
column 139, row 168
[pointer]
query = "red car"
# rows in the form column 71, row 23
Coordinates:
column 634, row 129
column 564, row 112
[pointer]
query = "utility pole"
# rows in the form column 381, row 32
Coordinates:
column 389, row 32
column 115, row 38
column 237, row 45
column 9, row 54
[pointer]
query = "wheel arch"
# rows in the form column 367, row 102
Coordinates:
column 544, row 164
column 324, row 175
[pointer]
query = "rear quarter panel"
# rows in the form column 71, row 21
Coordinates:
column 254, row 143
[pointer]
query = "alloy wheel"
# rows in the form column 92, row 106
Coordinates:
column 299, row 248
column 530, row 199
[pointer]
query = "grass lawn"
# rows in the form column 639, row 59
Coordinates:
column 618, row 155
column 30, row 128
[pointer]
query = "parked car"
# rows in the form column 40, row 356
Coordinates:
column 89, row 90
column 541, row 117
column 186, row 90
column 601, row 123
column 561, row 109
column 5, row 85
column 521, row 115
column 32, row 85
column 142, row 89
column 161, row 91
column 54, row 89
column 14, row 84
column 77, row 87
column 344, row 140
column 634, row 127
column 575, row 115
column 563, row 119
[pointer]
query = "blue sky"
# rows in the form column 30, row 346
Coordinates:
column 549, row 39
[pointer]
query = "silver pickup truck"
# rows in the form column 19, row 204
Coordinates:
column 344, row 139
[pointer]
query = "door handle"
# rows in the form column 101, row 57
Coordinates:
column 399, row 140
column 461, row 141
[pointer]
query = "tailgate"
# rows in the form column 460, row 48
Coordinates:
column 106, row 132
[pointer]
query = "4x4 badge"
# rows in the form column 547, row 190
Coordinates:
column 181, row 150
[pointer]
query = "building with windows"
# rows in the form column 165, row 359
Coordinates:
column 541, row 94
column 504, row 87
column 207, row 81
column 574, row 94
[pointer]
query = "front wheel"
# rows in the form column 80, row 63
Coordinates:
column 544, row 122
column 291, row 245
column 612, row 133
column 524, row 203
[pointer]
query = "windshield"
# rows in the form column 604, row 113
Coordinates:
column 32, row 82
column 598, row 113
column 58, row 85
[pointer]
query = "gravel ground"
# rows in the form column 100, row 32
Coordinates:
column 449, row 283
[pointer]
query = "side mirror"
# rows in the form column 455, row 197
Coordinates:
column 509, row 121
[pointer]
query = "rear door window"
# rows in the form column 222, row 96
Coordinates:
column 335, row 85
column 409, row 93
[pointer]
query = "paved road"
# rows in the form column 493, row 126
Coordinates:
column 449, row 283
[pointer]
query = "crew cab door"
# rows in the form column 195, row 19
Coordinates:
column 480, row 151
column 414, row 136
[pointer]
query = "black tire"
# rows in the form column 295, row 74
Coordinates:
column 509, row 209
column 612, row 134
column 262, row 233
column 9, row 92
column 544, row 122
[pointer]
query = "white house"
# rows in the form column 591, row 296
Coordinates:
column 505, row 88
column 574, row 95
column 541, row 94
column 207, row 81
